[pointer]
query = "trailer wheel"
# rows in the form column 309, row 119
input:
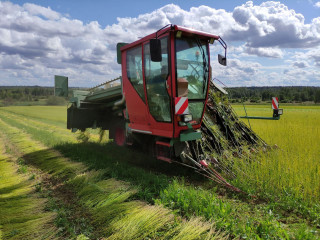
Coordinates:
column 120, row 136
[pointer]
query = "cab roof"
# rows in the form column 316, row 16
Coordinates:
column 174, row 28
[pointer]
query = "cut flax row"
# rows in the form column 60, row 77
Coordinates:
column 225, row 138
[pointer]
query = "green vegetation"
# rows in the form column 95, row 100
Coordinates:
column 127, row 195
column 227, row 214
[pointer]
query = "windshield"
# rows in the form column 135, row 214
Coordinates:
column 192, row 67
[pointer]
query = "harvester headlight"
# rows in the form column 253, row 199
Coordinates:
column 186, row 118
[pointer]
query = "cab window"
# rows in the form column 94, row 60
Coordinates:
column 156, row 75
column 134, row 70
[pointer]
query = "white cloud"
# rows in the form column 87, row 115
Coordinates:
column 272, row 24
column 311, row 56
column 238, row 72
column 43, row 42
column 299, row 77
column 37, row 42
column 34, row 9
column 317, row 4
column 264, row 52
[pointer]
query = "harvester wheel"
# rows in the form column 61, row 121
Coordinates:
column 120, row 136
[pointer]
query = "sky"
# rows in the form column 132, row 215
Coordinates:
column 270, row 43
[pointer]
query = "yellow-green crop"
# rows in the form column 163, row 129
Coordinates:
column 295, row 166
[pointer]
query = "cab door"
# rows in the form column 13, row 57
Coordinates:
column 158, row 89
column 134, row 90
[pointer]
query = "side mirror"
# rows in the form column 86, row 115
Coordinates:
column 155, row 50
column 119, row 45
column 222, row 60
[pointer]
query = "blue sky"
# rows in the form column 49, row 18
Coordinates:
column 269, row 43
column 106, row 12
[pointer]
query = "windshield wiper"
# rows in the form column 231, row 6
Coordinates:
column 205, row 64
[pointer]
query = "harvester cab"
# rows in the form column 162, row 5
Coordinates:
column 165, row 83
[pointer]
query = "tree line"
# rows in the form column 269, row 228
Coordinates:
column 15, row 95
column 10, row 95
column 284, row 94
column 25, row 93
